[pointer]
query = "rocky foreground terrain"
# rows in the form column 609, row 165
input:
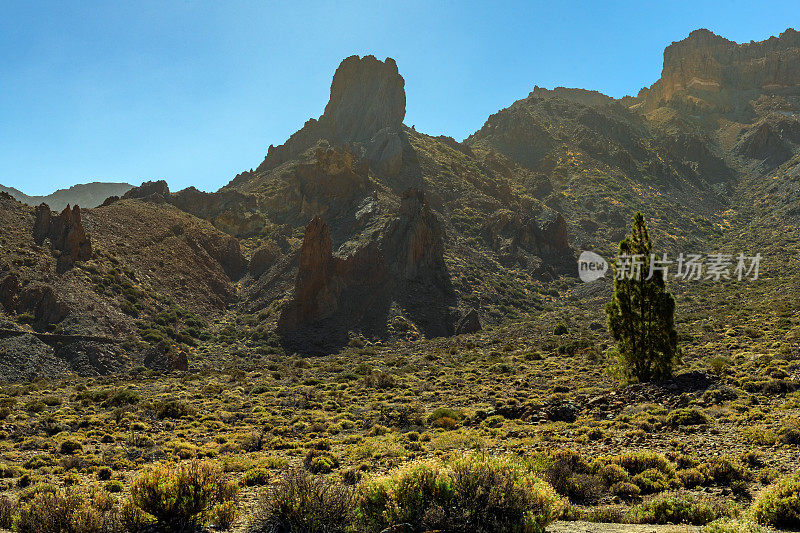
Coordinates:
column 370, row 295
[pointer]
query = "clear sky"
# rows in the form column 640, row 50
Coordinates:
column 194, row 92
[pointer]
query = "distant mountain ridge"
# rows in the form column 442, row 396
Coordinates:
column 85, row 195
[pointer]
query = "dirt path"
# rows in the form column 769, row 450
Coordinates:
column 590, row 527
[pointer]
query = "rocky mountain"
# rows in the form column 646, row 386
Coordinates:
column 85, row 194
column 708, row 73
column 360, row 229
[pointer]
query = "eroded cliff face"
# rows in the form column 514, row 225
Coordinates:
column 66, row 234
column 402, row 265
column 708, row 73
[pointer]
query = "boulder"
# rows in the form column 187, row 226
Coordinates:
column 41, row 300
column 263, row 259
column 469, row 323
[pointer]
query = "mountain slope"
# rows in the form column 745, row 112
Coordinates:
column 85, row 195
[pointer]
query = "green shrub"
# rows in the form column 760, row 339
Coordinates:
column 779, row 504
column 301, row 502
column 173, row 409
column 114, row 486
column 177, row 494
column 122, row 397
column 70, row 446
column 444, row 417
column 6, row 512
column 223, row 515
column 256, row 476
column 74, row 510
column 625, row 490
column 320, row 462
column 471, row 494
column 724, row 470
column 652, row 481
column 673, row 509
column 613, row 473
column 691, row 477
column 687, row 417
column 638, row 462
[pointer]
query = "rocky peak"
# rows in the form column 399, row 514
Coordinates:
column 367, row 95
column 149, row 189
column 706, row 70
column 366, row 110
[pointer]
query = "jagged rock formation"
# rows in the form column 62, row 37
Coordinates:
column 706, row 72
column 508, row 232
column 66, row 234
column 232, row 212
column 502, row 214
column 401, row 265
column 366, row 110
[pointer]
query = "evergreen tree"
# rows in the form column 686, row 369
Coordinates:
column 641, row 312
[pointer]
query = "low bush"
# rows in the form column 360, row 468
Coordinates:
column 256, row 476
column 302, row 502
column 320, row 462
column 724, row 470
column 73, row 510
column 471, row 494
column 779, row 504
column 625, row 490
column 687, row 417
column 673, row 509
column 178, row 495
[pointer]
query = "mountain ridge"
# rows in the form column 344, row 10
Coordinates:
column 90, row 194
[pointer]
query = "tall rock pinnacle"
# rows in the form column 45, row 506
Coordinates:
column 367, row 95
column 366, row 109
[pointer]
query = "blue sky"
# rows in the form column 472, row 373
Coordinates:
column 194, row 92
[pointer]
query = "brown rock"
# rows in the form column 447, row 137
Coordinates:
column 366, row 109
column 706, row 71
column 9, row 288
column 403, row 263
column 263, row 258
column 332, row 181
column 367, row 95
column 415, row 240
column 148, row 189
column 66, row 234
column 469, row 323
column 315, row 293
column 41, row 301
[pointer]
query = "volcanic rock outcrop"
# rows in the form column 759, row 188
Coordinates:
column 402, row 265
column 66, row 234
column 706, row 72
column 230, row 211
column 366, row 109
column 37, row 299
